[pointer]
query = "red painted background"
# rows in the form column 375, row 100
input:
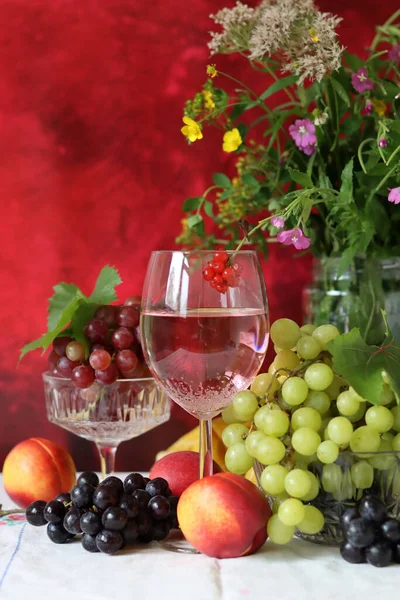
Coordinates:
column 94, row 169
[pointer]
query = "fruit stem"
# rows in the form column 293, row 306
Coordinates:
column 12, row 511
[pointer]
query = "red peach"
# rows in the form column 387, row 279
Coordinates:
column 224, row 516
column 37, row 469
column 180, row 469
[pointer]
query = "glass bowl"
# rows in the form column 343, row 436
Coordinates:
column 339, row 492
column 106, row 414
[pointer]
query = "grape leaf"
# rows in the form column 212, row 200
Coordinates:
column 104, row 290
column 362, row 365
column 64, row 294
column 84, row 311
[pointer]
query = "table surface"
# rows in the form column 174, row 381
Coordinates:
column 31, row 566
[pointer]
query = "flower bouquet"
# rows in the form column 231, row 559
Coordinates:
column 317, row 154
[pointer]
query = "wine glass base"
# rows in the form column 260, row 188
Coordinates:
column 176, row 542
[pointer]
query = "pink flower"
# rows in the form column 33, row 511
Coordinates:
column 303, row 133
column 382, row 143
column 368, row 108
column 394, row 195
column 278, row 222
column 394, row 53
column 295, row 237
column 360, row 81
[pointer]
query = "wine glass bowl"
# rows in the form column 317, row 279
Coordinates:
column 106, row 414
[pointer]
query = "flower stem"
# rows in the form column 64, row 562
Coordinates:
column 378, row 35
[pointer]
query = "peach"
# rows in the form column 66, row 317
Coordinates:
column 37, row 469
column 180, row 469
column 224, row 516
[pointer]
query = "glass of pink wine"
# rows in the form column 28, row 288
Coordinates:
column 201, row 344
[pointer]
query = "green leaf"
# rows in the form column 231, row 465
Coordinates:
column 239, row 109
column 194, row 220
column 362, row 365
column 279, row 85
column 84, row 311
column 394, row 126
column 346, row 189
column 208, row 209
column 104, row 289
column 222, row 180
column 64, row 294
column 347, row 258
column 341, row 92
column 353, row 61
column 350, row 125
column 301, row 178
column 192, row 203
column 251, row 182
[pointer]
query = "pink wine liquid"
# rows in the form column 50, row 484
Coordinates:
column 204, row 358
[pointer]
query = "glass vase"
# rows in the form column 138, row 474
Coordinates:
column 355, row 298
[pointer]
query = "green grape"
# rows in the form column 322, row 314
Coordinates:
column 359, row 414
column 328, row 452
column 362, row 475
column 234, row 434
column 396, row 418
column 278, row 532
column 308, row 329
column 291, row 511
column 318, row 377
column 273, row 479
column 324, row 334
column 340, row 431
column 297, row 483
column 306, row 417
column 353, row 392
column 318, row 400
column 237, row 459
column 314, row 489
column 387, row 395
column 285, row 333
column 252, row 442
column 278, row 501
column 277, row 349
column 270, row 451
column 383, row 462
column 229, row 416
column 334, row 389
column 264, row 384
column 396, row 443
column 245, row 405
column 365, row 439
column 347, row 404
column 286, row 359
column 331, row 477
column 380, row 418
column 305, row 441
column 294, row 391
column 308, row 347
column 388, row 437
column 313, row 521
column 271, row 421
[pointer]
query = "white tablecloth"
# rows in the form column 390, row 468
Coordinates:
column 33, row 567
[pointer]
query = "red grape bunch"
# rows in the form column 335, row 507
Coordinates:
column 222, row 272
column 110, row 515
column 114, row 348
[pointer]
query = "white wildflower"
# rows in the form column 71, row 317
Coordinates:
column 237, row 23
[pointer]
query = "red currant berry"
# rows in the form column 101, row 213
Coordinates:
column 213, row 284
column 217, row 279
column 221, row 287
column 221, row 256
column 208, row 274
column 237, row 268
column 218, row 267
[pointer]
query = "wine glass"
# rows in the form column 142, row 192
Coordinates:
column 201, row 345
column 106, row 414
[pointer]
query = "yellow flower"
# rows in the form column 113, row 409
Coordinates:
column 232, row 140
column 379, row 106
column 208, row 100
column 235, row 181
column 211, row 71
column 191, row 129
column 313, row 35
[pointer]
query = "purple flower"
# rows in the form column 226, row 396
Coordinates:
column 360, row 81
column 394, row 195
column 368, row 108
column 303, row 133
column 295, row 237
column 382, row 143
column 394, row 53
column 278, row 222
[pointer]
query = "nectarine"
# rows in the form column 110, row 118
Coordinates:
column 224, row 516
column 180, row 469
column 37, row 469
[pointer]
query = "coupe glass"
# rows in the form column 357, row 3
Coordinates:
column 203, row 346
column 106, row 414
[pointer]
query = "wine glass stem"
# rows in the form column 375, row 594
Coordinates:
column 107, row 459
column 205, row 450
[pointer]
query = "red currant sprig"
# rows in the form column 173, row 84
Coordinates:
column 221, row 272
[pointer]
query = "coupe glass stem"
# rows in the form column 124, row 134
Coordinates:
column 107, row 459
column 205, row 449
